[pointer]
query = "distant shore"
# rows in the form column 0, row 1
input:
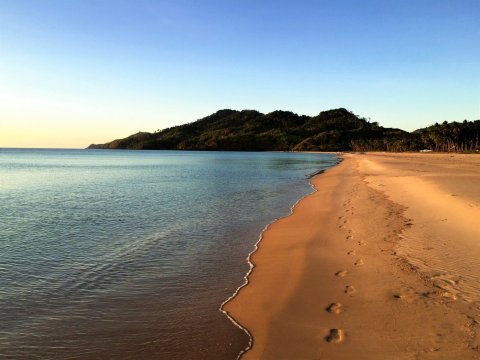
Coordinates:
column 381, row 262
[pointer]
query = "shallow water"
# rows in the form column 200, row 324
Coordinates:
column 129, row 254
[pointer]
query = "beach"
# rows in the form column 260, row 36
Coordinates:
column 381, row 262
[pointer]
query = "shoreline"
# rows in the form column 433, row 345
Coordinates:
column 337, row 277
column 256, row 247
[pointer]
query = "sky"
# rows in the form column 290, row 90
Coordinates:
column 76, row 72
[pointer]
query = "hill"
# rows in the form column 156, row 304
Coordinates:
column 333, row 130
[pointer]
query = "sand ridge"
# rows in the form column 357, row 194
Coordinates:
column 339, row 278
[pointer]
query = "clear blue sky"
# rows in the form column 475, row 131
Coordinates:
column 78, row 72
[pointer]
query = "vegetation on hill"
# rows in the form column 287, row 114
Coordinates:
column 453, row 136
column 333, row 130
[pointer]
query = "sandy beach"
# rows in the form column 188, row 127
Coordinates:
column 381, row 262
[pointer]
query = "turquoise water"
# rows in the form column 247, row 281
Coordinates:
column 129, row 254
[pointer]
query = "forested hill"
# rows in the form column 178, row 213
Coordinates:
column 333, row 130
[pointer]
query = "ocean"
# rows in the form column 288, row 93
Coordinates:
column 129, row 254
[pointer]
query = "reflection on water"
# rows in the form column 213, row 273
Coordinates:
column 128, row 254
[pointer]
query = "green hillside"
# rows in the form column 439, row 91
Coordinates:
column 333, row 130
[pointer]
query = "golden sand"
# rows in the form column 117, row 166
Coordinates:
column 382, row 262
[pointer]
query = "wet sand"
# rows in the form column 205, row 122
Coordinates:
column 382, row 262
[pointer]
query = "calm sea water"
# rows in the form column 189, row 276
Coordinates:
column 129, row 254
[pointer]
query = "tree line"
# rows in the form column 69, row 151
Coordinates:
column 332, row 130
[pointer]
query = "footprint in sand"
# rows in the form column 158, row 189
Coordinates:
column 359, row 262
column 407, row 294
column 407, row 297
column 336, row 336
column 408, row 222
column 447, row 285
column 341, row 273
column 334, row 308
column 351, row 252
column 350, row 289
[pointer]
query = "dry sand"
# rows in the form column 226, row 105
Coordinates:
column 382, row 262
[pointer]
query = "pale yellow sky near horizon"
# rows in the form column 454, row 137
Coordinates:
column 36, row 119
column 33, row 120
column 74, row 73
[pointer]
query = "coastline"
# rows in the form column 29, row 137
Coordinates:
column 341, row 275
column 255, row 249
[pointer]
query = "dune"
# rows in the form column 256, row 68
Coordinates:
column 381, row 262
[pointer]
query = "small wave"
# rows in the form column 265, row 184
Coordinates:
column 252, row 266
column 111, row 266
